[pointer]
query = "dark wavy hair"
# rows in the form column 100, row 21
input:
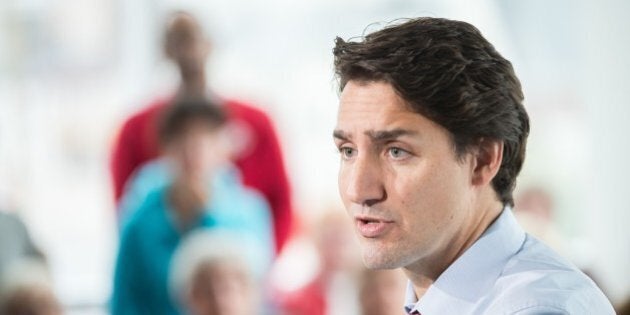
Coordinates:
column 448, row 72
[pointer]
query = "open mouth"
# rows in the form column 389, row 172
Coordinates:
column 372, row 227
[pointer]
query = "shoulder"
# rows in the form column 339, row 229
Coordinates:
column 153, row 174
column 150, row 176
column 558, row 292
column 149, row 214
column 252, row 199
column 538, row 281
column 228, row 183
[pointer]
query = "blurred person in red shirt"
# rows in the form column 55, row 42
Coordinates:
column 258, row 154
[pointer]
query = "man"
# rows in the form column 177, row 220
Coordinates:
column 432, row 133
column 202, row 193
column 257, row 154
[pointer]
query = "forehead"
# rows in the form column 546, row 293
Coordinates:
column 193, row 130
column 361, row 97
column 367, row 107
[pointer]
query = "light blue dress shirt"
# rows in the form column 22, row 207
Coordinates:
column 508, row 271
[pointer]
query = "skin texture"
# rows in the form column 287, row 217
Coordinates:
column 401, row 181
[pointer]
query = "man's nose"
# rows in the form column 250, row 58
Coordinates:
column 364, row 184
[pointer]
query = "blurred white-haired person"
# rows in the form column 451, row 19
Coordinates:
column 215, row 272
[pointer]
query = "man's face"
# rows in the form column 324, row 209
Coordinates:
column 399, row 178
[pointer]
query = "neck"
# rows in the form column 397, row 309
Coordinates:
column 192, row 83
column 424, row 273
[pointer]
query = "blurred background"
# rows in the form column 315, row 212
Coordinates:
column 71, row 72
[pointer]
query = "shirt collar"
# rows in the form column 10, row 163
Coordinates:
column 468, row 278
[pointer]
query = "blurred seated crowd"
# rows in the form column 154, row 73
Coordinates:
column 204, row 213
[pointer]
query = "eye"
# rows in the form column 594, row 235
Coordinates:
column 397, row 153
column 347, row 152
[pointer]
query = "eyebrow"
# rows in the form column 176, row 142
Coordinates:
column 387, row 135
column 376, row 136
column 341, row 135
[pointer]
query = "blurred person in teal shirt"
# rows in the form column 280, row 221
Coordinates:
column 191, row 187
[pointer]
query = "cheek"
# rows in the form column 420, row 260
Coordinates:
column 342, row 181
column 413, row 185
column 426, row 192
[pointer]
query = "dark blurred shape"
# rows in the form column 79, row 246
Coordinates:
column 624, row 307
column 26, row 290
column 25, row 285
column 184, row 44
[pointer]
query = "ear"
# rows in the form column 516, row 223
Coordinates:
column 487, row 161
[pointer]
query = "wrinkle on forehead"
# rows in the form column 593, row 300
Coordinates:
column 377, row 135
column 375, row 106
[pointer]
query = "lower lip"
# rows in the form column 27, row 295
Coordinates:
column 373, row 229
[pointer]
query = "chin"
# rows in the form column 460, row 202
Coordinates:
column 373, row 259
